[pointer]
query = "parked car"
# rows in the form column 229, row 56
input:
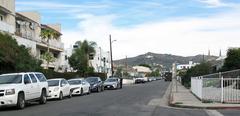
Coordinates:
column 18, row 88
column 112, row 83
column 79, row 86
column 96, row 84
column 139, row 80
column 59, row 88
column 152, row 79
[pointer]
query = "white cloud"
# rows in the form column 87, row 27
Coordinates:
column 185, row 36
column 215, row 3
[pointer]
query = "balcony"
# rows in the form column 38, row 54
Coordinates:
column 6, row 27
column 54, row 44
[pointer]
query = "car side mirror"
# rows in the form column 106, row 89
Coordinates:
column 26, row 82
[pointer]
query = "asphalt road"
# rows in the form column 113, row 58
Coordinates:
column 132, row 100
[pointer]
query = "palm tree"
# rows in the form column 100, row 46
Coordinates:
column 87, row 46
column 80, row 58
column 48, row 34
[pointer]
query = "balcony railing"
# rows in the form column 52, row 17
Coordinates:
column 7, row 27
column 53, row 43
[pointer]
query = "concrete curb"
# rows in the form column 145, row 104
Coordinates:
column 206, row 107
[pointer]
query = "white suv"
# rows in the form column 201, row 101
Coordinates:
column 17, row 88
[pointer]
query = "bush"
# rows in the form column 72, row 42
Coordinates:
column 15, row 58
column 198, row 70
column 50, row 74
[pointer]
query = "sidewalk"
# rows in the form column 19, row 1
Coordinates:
column 182, row 97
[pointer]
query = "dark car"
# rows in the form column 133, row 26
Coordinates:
column 168, row 76
column 96, row 84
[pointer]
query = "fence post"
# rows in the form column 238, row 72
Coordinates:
column 222, row 91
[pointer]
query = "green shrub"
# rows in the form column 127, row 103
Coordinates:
column 14, row 57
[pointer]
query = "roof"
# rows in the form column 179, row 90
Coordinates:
column 142, row 69
column 46, row 26
column 5, row 10
column 19, row 15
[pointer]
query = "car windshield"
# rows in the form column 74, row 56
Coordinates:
column 111, row 80
column 74, row 82
column 53, row 83
column 10, row 79
column 91, row 79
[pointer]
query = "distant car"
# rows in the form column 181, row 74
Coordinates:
column 59, row 88
column 18, row 88
column 96, row 84
column 152, row 79
column 168, row 76
column 112, row 83
column 139, row 80
column 79, row 86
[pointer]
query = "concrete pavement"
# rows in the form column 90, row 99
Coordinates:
column 182, row 97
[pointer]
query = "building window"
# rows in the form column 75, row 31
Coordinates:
column 1, row 17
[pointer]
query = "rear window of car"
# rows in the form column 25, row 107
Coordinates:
column 41, row 77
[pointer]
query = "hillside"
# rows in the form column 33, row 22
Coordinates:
column 163, row 59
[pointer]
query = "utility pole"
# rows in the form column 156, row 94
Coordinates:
column 100, row 59
column 111, row 55
column 126, row 66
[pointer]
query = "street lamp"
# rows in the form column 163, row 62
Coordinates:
column 110, row 38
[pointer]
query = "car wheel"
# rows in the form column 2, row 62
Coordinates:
column 70, row 94
column 21, row 101
column 60, row 96
column 89, row 90
column 98, row 89
column 81, row 92
column 43, row 98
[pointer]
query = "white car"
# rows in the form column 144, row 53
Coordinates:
column 59, row 88
column 79, row 86
column 18, row 88
column 111, row 83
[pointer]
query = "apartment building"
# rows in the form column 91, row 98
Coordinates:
column 7, row 16
column 26, row 28
column 101, row 62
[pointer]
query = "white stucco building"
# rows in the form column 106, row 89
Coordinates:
column 186, row 66
column 26, row 28
column 141, row 70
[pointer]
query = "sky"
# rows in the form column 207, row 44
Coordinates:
column 179, row 27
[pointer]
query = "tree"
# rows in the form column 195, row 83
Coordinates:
column 155, row 73
column 48, row 34
column 119, row 72
column 198, row 70
column 14, row 57
column 79, row 60
column 233, row 60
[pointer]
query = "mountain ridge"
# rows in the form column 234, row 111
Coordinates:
column 163, row 59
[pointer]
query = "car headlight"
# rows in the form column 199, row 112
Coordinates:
column 56, row 89
column 10, row 92
column 95, row 85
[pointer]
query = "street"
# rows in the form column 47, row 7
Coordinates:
column 132, row 100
